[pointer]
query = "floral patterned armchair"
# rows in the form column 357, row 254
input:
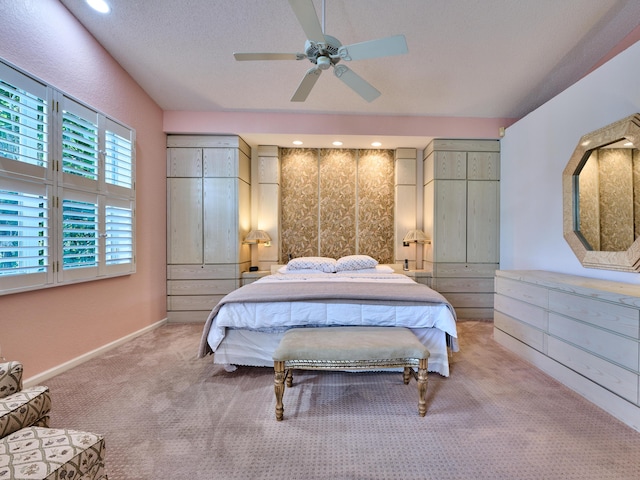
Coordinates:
column 20, row 408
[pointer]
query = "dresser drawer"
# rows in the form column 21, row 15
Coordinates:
column 201, row 287
column 525, row 333
column 193, row 302
column 525, row 312
column 614, row 317
column 613, row 377
column 523, row 291
column 621, row 350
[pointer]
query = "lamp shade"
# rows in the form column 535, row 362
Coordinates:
column 257, row 236
column 415, row 236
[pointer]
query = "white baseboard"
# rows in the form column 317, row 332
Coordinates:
column 52, row 372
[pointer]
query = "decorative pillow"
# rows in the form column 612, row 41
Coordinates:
column 377, row 269
column 323, row 264
column 355, row 262
column 305, row 271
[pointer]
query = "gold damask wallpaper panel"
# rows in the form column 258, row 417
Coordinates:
column 636, row 192
column 589, row 204
column 299, row 189
column 337, row 202
column 616, row 199
column 375, row 204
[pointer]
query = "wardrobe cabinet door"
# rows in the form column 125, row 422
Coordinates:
column 450, row 224
column 221, row 232
column 184, row 225
column 483, row 165
column 184, row 162
column 482, row 222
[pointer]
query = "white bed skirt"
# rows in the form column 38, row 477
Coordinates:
column 252, row 348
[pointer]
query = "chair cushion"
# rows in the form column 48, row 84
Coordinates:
column 10, row 378
column 36, row 453
column 26, row 408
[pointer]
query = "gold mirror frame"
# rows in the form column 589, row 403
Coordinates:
column 624, row 261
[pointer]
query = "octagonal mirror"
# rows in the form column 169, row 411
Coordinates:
column 601, row 197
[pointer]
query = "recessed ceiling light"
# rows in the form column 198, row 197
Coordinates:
column 376, row 144
column 337, row 144
column 297, row 142
column 99, row 6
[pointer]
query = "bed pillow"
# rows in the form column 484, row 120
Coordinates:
column 355, row 262
column 377, row 269
column 323, row 264
column 305, row 271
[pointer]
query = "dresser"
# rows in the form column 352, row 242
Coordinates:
column 582, row 331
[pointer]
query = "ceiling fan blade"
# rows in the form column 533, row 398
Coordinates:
column 308, row 19
column 308, row 81
column 356, row 83
column 382, row 47
column 241, row 57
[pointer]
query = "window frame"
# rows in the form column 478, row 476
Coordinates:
column 57, row 183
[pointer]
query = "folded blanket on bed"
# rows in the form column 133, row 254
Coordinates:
column 334, row 292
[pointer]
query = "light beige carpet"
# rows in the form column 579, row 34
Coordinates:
column 167, row 415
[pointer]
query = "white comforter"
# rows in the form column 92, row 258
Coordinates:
column 278, row 316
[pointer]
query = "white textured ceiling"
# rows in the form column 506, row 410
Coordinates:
column 467, row 58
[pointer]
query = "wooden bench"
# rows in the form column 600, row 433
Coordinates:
column 350, row 348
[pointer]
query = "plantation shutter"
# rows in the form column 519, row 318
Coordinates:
column 24, row 234
column 24, row 125
column 79, row 247
column 67, row 188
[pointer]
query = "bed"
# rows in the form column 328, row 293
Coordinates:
column 246, row 326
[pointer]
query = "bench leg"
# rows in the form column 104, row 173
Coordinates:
column 422, row 387
column 279, row 388
column 290, row 378
column 406, row 376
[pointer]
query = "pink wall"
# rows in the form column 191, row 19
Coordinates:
column 46, row 328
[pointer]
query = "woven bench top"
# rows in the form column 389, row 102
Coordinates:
column 349, row 344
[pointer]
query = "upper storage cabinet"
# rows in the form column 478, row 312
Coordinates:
column 462, row 200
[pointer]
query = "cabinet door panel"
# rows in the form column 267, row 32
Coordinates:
column 450, row 165
column 184, row 232
column 220, row 162
column 483, row 166
column 482, row 222
column 221, row 234
column 450, row 222
column 184, row 162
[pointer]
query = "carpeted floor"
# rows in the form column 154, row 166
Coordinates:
column 167, row 415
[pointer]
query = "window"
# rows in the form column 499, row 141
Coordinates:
column 67, row 188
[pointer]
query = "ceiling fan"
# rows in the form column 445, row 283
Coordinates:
column 325, row 51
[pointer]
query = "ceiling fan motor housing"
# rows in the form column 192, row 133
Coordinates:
column 313, row 51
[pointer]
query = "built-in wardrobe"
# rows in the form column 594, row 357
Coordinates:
column 208, row 216
column 461, row 217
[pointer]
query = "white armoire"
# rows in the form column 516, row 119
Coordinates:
column 461, row 216
column 208, row 216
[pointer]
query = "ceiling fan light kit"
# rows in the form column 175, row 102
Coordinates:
column 325, row 51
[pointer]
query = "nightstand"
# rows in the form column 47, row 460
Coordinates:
column 419, row 276
column 250, row 277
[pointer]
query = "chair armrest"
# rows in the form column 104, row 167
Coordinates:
column 28, row 407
